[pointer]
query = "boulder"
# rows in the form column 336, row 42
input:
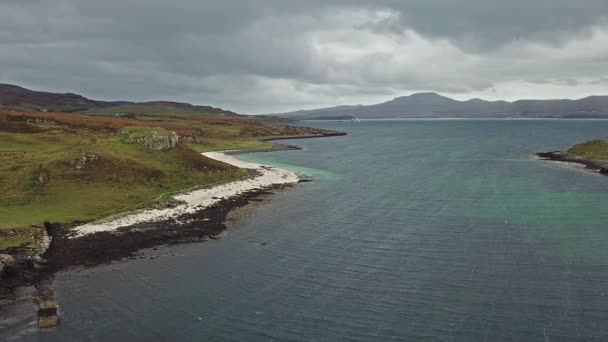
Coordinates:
column 7, row 265
column 83, row 161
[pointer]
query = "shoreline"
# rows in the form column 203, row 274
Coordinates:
column 200, row 216
column 262, row 177
column 563, row 157
column 134, row 230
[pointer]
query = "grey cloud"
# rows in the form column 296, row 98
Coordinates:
column 491, row 23
column 258, row 56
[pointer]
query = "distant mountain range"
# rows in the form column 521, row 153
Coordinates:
column 433, row 105
column 421, row 105
column 17, row 98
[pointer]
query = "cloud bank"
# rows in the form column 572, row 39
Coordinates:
column 280, row 55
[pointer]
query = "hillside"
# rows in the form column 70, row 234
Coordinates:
column 66, row 167
column 17, row 98
column 432, row 105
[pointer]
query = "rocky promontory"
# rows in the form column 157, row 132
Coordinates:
column 560, row 156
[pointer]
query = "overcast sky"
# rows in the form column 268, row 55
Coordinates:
column 261, row 56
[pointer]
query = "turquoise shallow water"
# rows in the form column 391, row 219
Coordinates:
column 412, row 231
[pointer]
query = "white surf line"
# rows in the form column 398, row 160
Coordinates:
column 198, row 199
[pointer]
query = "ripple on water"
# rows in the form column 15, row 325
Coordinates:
column 416, row 231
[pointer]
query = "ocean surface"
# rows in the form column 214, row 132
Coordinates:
column 412, row 230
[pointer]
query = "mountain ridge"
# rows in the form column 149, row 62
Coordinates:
column 434, row 105
column 14, row 97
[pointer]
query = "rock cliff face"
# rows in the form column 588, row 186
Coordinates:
column 194, row 138
column 153, row 141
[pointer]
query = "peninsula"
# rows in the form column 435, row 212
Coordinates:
column 107, row 179
column 592, row 154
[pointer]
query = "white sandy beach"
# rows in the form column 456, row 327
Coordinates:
column 198, row 199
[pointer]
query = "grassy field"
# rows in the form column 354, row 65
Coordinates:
column 70, row 168
column 40, row 180
column 594, row 149
column 150, row 109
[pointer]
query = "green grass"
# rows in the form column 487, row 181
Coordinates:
column 125, row 177
column 141, row 132
column 594, row 149
column 209, row 145
column 41, row 178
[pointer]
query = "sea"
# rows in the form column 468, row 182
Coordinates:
column 411, row 230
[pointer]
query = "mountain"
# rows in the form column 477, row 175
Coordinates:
column 14, row 97
column 433, row 105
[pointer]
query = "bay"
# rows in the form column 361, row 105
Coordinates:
column 412, row 230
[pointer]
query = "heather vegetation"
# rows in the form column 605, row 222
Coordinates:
column 594, row 150
column 70, row 168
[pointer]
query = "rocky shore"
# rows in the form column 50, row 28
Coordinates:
column 199, row 216
column 561, row 156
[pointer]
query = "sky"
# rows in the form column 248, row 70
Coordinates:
column 270, row 56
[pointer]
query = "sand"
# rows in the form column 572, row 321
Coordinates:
column 198, row 199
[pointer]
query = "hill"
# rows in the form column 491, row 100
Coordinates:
column 17, row 98
column 433, row 105
column 69, row 167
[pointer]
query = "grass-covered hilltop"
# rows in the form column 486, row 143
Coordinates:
column 593, row 150
column 105, row 159
column 593, row 154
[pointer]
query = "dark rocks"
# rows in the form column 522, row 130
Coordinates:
column 105, row 247
column 53, row 229
column 561, row 156
column 553, row 155
column 47, row 305
column 7, row 266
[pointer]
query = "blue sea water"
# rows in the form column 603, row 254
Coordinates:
column 412, row 230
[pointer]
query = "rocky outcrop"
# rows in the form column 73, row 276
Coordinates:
column 7, row 264
column 41, row 121
column 83, row 161
column 152, row 141
column 561, row 156
column 42, row 176
column 194, row 138
column 47, row 305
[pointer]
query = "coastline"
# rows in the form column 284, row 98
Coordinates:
column 563, row 157
column 200, row 215
column 261, row 177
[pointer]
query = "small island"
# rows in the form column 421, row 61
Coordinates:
column 592, row 154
